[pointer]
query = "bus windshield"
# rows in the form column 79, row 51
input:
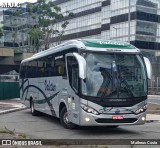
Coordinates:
column 114, row 75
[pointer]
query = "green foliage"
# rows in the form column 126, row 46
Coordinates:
column 13, row 134
column 48, row 15
column 6, row 130
column 41, row 22
column 22, row 136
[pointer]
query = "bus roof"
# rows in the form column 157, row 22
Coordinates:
column 97, row 43
column 88, row 44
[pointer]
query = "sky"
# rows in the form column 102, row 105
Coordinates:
column 15, row 1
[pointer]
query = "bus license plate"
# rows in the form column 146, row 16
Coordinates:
column 117, row 117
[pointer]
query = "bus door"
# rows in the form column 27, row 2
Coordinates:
column 73, row 99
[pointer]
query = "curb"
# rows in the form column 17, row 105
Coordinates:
column 158, row 96
column 12, row 110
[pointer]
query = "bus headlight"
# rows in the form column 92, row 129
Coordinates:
column 140, row 110
column 89, row 109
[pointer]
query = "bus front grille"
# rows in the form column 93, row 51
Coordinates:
column 127, row 120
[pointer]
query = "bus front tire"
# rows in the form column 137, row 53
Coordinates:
column 113, row 126
column 33, row 111
column 64, row 119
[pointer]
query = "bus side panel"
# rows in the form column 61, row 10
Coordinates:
column 28, row 91
column 74, row 106
column 71, row 99
column 54, row 91
column 46, row 94
column 61, row 87
column 23, row 93
column 50, row 88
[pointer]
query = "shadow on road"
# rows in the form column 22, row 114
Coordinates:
column 106, row 131
column 94, row 130
column 48, row 118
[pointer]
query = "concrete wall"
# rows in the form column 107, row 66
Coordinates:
column 22, row 56
column 6, row 52
column 11, row 61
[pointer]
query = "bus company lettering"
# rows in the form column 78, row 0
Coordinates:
column 110, row 42
column 49, row 86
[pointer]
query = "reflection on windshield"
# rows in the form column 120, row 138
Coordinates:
column 114, row 76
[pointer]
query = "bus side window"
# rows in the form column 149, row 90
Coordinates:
column 34, row 69
column 27, row 70
column 72, row 66
column 75, row 78
column 60, row 68
column 41, row 67
column 22, row 70
column 49, row 69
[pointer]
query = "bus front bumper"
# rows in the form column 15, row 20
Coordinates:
column 88, row 119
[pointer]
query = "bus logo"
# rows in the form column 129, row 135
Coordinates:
column 117, row 111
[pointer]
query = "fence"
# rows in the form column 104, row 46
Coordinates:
column 9, row 87
column 9, row 90
column 154, row 86
column 9, row 78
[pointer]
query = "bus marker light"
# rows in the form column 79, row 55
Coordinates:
column 141, row 109
column 143, row 118
column 87, row 119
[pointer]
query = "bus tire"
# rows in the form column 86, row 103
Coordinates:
column 33, row 111
column 113, row 126
column 64, row 119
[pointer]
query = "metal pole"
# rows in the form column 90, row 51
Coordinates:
column 129, row 19
column 151, row 85
column 116, row 31
column 157, row 85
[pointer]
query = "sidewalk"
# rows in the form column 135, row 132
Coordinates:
column 11, row 105
column 156, row 96
column 153, row 117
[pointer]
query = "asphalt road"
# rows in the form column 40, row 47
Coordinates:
column 49, row 128
column 154, row 99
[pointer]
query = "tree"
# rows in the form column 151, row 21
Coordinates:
column 40, row 21
column 16, row 25
column 48, row 16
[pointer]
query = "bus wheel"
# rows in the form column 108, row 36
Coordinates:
column 64, row 119
column 113, row 126
column 33, row 111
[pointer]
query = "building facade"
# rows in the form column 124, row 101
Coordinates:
column 15, row 26
column 136, row 21
column 1, row 26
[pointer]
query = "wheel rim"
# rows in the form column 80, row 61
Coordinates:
column 65, row 118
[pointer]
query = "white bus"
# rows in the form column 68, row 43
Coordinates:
column 87, row 82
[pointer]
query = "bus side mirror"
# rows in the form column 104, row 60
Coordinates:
column 148, row 67
column 81, row 65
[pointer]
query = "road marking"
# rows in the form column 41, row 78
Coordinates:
column 154, row 98
column 153, row 95
column 154, row 103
